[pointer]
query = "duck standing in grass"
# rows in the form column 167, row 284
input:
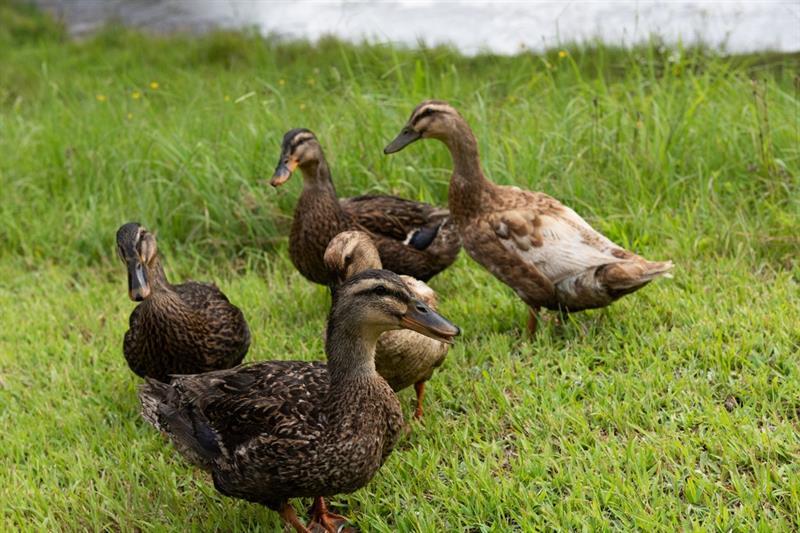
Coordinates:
column 175, row 329
column 403, row 358
column 277, row 430
column 412, row 238
column 530, row 241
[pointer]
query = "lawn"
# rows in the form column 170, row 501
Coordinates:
column 676, row 408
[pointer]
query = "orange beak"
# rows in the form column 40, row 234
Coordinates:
column 283, row 172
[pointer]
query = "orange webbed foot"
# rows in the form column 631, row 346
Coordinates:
column 322, row 517
column 419, row 388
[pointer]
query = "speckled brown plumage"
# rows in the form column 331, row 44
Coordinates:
column 282, row 429
column 413, row 238
column 402, row 357
column 177, row 329
column 539, row 247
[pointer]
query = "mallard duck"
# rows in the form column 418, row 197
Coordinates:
column 530, row 241
column 277, row 430
column 412, row 238
column 403, row 357
column 175, row 329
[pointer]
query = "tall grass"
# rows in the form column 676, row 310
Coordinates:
column 647, row 141
column 675, row 408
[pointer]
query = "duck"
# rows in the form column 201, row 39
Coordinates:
column 275, row 430
column 413, row 238
column 175, row 329
column 550, row 256
column 403, row 357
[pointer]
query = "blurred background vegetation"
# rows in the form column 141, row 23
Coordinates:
column 655, row 144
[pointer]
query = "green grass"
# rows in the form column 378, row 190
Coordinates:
column 676, row 408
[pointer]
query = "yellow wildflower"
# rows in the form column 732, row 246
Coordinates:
column 312, row 81
column 130, row 116
column 562, row 54
column 281, row 82
column 101, row 97
column 154, row 85
column 227, row 98
column 136, row 95
column 302, row 106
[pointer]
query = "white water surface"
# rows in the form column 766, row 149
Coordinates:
column 471, row 26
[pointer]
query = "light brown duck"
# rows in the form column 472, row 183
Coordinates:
column 530, row 241
column 402, row 357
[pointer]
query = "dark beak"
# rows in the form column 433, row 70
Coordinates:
column 283, row 172
column 422, row 319
column 406, row 137
column 138, row 288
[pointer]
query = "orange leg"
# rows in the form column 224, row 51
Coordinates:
column 533, row 321
column 419, row 387
column 290, row 517
column 332, row 522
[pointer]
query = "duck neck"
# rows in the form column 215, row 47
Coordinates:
column 317, row 183
column 351, row 359
column 162, row 295
column 156, row 278
column 467, row 184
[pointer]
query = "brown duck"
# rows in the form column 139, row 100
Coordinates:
column 403, row 358
column 412, row 238
column 176, row 329
column 530, row 241
column 277, row 430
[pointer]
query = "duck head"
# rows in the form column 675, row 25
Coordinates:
column 431, row 119
column 137, row 248
column 300, row 148
column 349, row 253
column 375, row 301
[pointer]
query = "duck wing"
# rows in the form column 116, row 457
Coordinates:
column 210, row 416
column 413, row 223
column 505, row 263
column 558, row 242
column 200, row 295
column 586, row 268
column 229, row 335
column 421, row 264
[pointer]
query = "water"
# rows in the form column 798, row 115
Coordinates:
column 473, row 26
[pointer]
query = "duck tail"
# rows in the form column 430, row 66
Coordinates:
column 161, row 407
column 629, row 276
column 152, row 394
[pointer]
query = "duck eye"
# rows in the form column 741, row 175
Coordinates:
column 426, row 113
column 380, row 290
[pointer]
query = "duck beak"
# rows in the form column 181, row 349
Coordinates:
column 422, row 319
column 406, row 137
column 138, row 287
column 283, row 172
